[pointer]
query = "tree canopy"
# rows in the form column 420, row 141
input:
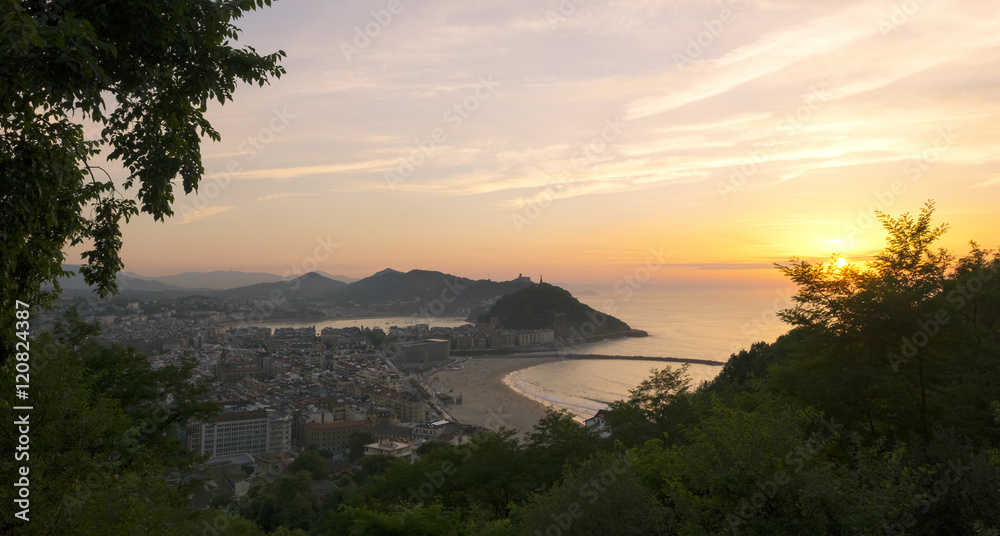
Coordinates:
column 140, row 72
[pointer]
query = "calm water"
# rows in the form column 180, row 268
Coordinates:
column 384, row 322
column 700, row 323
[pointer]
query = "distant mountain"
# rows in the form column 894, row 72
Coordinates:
column 387, row 271
column 335, row 277
column 387, row 292
column 545, row 306
column 219, row 279
column 417, row 291
column 126, row 281
column 307, row 286
column 192, row 283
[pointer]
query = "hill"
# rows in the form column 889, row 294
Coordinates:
column 306, row 286
column 421, row 291
column 545, row 306
column 218, row 279
column 76, row 286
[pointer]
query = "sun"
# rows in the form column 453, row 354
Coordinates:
column 840, row 262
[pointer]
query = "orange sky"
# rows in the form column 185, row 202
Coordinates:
column 497, row 138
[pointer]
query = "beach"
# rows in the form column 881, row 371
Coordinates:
column 486, row 399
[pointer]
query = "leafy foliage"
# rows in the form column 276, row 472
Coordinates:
column 104, row 439
column 311, row 462
column 141, row 72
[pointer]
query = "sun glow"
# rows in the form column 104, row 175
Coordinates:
column 840, row 262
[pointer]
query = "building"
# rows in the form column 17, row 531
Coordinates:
column 409, row 409
column 392, row 432
column 399, row 449
column 274, row 462
column 428, row 352
column 233, row 368
column 431, row 430
column 501, row 339
column 279, row 432
column 380, row 415
column 599, row 422
column 333, row 436
column 231, row 433
column 535, row 337
column 469, row 342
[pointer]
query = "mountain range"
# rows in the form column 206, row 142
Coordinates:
column 389, row 291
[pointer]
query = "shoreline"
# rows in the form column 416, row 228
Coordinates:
column 693, row 361
column 489, row 399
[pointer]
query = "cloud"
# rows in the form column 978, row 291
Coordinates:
column 187, row 215
column 304, row 171
column 270, row 197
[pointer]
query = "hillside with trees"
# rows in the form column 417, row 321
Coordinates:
column 545, row 306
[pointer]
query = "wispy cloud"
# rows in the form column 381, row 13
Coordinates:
column 190, row 216
column 271, row 197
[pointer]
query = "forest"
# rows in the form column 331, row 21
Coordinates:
column 877, row 413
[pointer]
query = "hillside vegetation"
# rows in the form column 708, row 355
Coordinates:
column 545, row 306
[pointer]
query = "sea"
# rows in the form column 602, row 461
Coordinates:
column 692, row 323
column 696, row 322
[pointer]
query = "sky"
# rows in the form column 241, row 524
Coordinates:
column 583, row 141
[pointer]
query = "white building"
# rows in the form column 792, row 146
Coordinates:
column 231, row 433
column 399, row 449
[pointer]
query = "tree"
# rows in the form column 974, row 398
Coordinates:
column 602, row 496
column 141, row 71
column 555, row 440
column 419, row 520
column 858, row 316
column 312, row 462
column 356, row 444
column 104, row 455
column 653, row 407
column 375, row 336
column 287, row 502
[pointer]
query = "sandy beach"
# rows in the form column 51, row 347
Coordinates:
column 486, row 399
